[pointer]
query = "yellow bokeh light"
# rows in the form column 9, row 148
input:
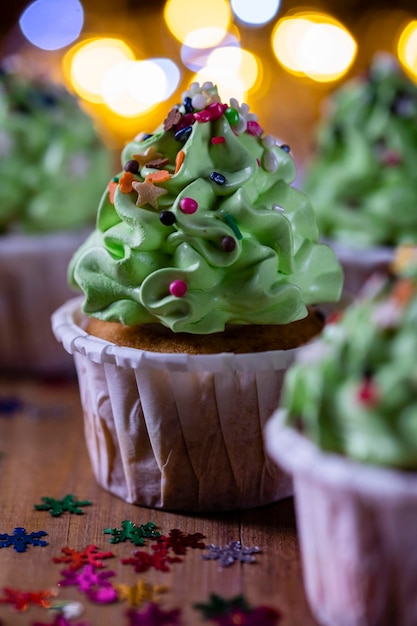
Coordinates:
column 235, row 61
column 133, row 87
column 407, row 48
column 211, row 19
column 86, row 65
column 314, row 45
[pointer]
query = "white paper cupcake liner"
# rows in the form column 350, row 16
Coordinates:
column 177, row 431
column 33, row 283
column 359, row 264
column 357, row 530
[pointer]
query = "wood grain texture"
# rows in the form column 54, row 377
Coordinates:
column 42, row 453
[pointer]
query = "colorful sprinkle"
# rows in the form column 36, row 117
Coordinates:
column 167, row 218
column 188, row 105
column 179, row 160
column 131, row 166
column 254, row 128
column 285, row 147
column 183, row 134
column 231, row 222
column 126, row 181
column 232, row 116
column 172, row 119
column 211, row 113
column 198, row 101
column 219, row 139
column 157, row 163
column 178, row 288
column 188, row 205
column 158, row 177
column 218, row 178
column 148, row 193
column 111, row 187
column 228, row 244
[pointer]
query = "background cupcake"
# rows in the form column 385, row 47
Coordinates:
column 347, row 434
column 361, row 176
column 53, row 165
column 206, row 264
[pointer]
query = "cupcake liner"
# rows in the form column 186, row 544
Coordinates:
column 33, row 281
column 360, row 263
column 356, row 527
column 177, row 431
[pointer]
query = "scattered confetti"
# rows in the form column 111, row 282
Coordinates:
column 237, row 611
column 20, row 539
column 60, row 620
column 94, row 584
column 131, row 532
column 154, row 616
column 87, row 556
column 178, row 542
column 233, row 551
column 56, row 507
column 143, row 561
column 140, row 592
column 21, row 600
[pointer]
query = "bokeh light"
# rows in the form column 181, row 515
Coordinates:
column 237, row 62
column 86, row 65
column 198, row 24
column 255, row 13
column 407, row 48
column 51, row 25
column 313, row 45
column 195, row 57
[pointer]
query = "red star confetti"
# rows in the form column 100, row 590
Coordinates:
column 140, row 592
column 154, row 616
column 148, row 193
column 21, row 600
column 143, row 561
column 94, row 584
column 87, row 556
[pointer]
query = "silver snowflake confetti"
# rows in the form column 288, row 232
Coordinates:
column 233, row 551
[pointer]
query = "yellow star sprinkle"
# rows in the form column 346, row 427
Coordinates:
column 149, row 155
column 140, row 592
column 148, row 193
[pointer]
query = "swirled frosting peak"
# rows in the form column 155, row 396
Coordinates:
column 354, row 391
column 361, row 177
column 202, row 228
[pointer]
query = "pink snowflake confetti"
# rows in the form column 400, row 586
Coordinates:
column 143, row 561
column 87, row 556
column 178, row 542
column 95, row 585
column 60, row 620
column 154, row 616
column 21, row 600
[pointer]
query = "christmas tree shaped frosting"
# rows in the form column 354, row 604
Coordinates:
column 202, row 228
column 361, row 178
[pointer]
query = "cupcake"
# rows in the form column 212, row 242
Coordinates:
column 346, row 432
column 361, row 178
column 53, row 165
column 203, row 276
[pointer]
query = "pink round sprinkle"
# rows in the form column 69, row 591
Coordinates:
column 188, row 205
column 219, row 139
column 178, row 288
column 254, row 128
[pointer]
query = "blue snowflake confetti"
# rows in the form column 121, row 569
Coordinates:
column 20, row 539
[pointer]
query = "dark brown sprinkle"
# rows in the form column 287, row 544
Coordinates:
column 157, row 163
column 172, row 119
column 131, row 166
column 228, row 244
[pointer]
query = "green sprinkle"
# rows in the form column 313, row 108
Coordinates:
column 231, row 222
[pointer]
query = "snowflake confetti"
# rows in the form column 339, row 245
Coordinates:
column 131, row 532
column 20, row 539
column 154, row 616
column 56, row 507
column 178, row 542
column 60, row 620
column 139, row 593
column 233, row 551
column 95, row 585
column 237, row 611
column 143, row 561
column 87, row 556
column 21, row 600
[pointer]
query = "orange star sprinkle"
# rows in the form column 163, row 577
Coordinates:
column 179, row 160
column 126, row 181
column 148, row 193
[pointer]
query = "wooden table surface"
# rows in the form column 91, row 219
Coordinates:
column 42, row 454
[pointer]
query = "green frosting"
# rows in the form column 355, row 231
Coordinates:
column 248, row 254
column 361, row 179
column 354, row 391
column 53, row 164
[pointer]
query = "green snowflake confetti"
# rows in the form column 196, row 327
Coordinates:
column 56, row 507
column 131, row 532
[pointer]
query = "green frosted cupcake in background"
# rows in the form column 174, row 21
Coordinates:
column 361, row 177
column 52, row 166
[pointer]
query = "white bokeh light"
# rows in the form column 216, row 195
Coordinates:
column 255, row 12
column 51, row 25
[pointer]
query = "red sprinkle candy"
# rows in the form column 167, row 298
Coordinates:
column 218, row 140
column 188, row 205
column 212, row 112
column 254, row 128
column 178, row 288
